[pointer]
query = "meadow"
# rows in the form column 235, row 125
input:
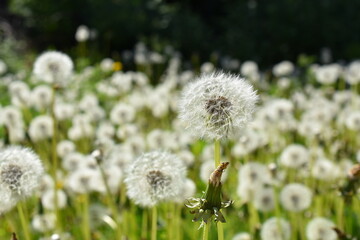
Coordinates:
column 96, row 152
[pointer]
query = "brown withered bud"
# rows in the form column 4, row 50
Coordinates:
column 354, row 172
column 13, row 237
column 215, row 177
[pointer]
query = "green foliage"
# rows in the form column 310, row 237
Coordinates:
column 265, row 31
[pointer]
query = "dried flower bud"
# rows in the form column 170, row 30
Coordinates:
column 354, row 172
column 210, row 204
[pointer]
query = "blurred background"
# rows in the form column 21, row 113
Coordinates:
column 263, row 31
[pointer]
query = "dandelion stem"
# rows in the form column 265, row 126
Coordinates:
column 217, row 155
column 220, row 231
column 154, row 223
column 110, row 200
column 24, row 222
column 86, row 218
column 144, row 224
column 55, row 160
column 205, row 231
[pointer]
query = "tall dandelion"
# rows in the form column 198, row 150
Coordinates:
column 20, row 174
column 217, row 106
column 55, row 68
column 155, row 177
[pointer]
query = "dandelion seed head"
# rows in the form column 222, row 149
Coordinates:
column 53, row 67
column 154, row 177
column 20, row 174
column 295, row 197
column 321, row 229
column 294, row 156
column 275, row 229
column 217, row 105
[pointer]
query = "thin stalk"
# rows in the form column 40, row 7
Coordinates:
column 340, row 213
column 144, row 225
column 206, row 231
column 217, row 153
column 217, row 157
column 55, row 159
column 154, row 223
column 86, row 218
column 220, row 231
column 110, row 200
column 24, row 222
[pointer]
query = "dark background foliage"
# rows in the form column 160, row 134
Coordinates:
column 265, row 31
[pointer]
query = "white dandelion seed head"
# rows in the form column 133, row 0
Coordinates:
column 3, row 67
column 283, row 68
column 127, row 130
column 249, row 68
column 20, row 93
column 48, row 199
column 105, row 130
column 320, row 229
column 53, row 67
column 294, row 156
column 82, row 33
column 248, row 142
column 73, row 161
column 217, row 105
column 352, row 73
column 41, row 97
column 353, row 121
column 84, row 180
column 242, row 236
column 207, row 67
column 296, row 197
column 20, row 172
column 119, row 156
column 155, row 177
column 44, row 222
column 122, row 113
column 275, row 229
column 254, row 173
column 326, row 170
column 65, row 147
column 264, row 199
column 11, row 116
column 284, row 83
column 64, row 111
column 106, row 64
column 41, row 127
column 328, row 74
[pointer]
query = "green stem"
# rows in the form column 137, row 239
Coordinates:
column 220, row 231
column 86, row 218
column 24, row 222
column 144, row 225
column 217, row 155
column 55, row 160
column 205, row 231
column 154, row 223
column 111, row 201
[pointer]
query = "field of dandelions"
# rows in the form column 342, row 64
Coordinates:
column 97, row 152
